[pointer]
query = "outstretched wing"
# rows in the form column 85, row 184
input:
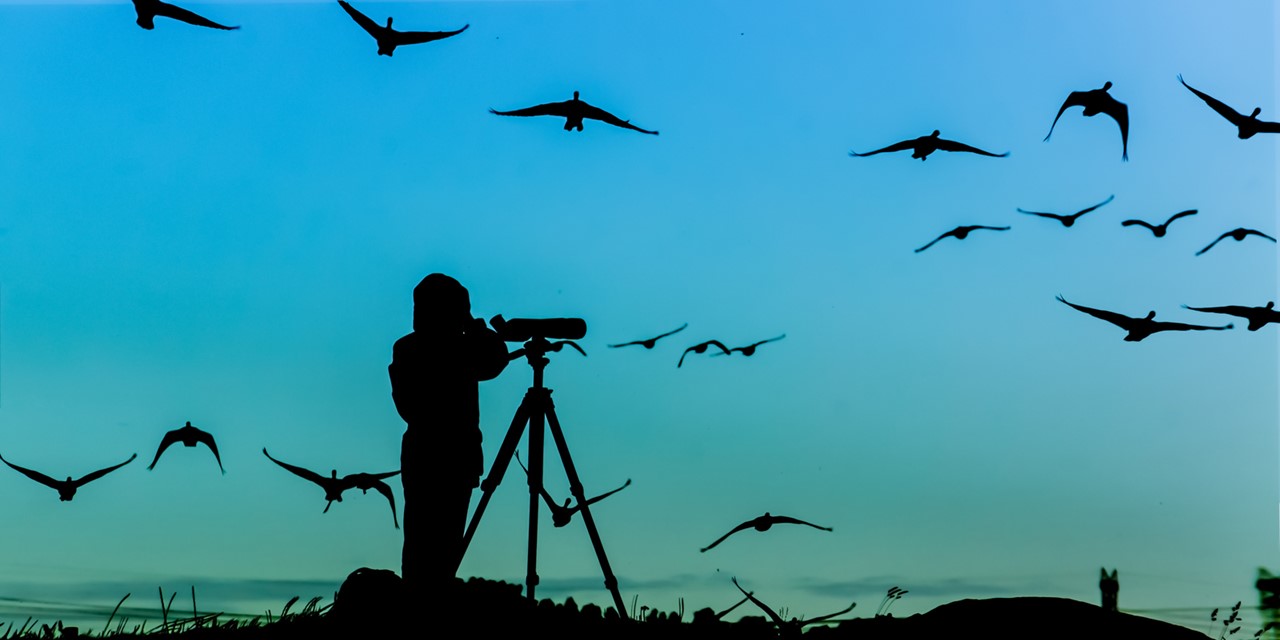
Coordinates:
column 298, row 471
column 419, row 37
column 382, row 488
column 168, row 439
column 1119, row 320
column 178, row 13
column 935, row 240
column 546, row 497
column 746, row 525
column 790, row 520
column 1179, row 326
column 1231, row 310
column 672, row 332
column 596, row 113
column 773, row 615
column 374, row 29
column 34, row 475
column 102, row 472
column 1181, row 214
column 1042, row 214
column 1074, row 99
column 1120, row 112
column 952, row 145
column 1251, row 232
column 1232, row 116
column 548, row 109
column 1213, row 243
column 591, row 501
column 1130, row 223
column 207, row 439
column 897, row 146
column 1088, row 209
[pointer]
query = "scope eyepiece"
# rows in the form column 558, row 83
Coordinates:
column 526, row 329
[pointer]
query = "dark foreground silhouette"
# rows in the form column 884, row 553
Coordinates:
column 334, row 486
column 1258, row 317
column 1139, row 328
column 1246, row 126
column 1068, row 219
column 1237, row 235
column 1098, row 101
column 924, row 145
column 1158, row 230
column 66, row 488
column 388, row 38
column 149, row 10
column 649, row 343
column 960, row 233
column 789, row 628
column 189, row 436
column 762, row 523
column 574, row 112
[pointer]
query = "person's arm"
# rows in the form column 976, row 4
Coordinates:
column 488, row 352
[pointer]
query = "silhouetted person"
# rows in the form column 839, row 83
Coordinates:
column 66, row 488
column 1258, row 317
column 1160, row 229
column 701, row 347
column 1246, row 126
column 388, row 38
column 960, row 233
column 189, row 436
column 1237, row 235
column 763, row 523
column 334, row 486
column 563, row 515
column 1067, row 220
column 573, row 111
column 434, row 374
column 648, row 343
column 1139, row 328
column 924, row 145
column 1099, row 101
column 148, row 10
column 1110, row 586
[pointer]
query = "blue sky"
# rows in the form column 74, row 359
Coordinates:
column 226, row 227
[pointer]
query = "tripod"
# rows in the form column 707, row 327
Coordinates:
column 537, row 410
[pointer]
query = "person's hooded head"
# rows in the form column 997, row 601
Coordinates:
column 440, row 305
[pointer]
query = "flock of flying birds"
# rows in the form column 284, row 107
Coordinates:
column 701, row 347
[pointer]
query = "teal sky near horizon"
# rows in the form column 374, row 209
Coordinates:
column 226, row 228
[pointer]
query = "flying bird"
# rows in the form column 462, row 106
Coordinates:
column 388, row 38
column 763, row 523
column 189, row 436
column 750, row 349
column 1139, row 328
column 1246, row 126
column 1067, row 220
column 66, row 488
column 1160, row 229
column 573, row 111
column 1258, row 317
column 789, row 628
column 1098, row 101
column 148, row 10
column 562, row 515
column 1237, row 235
column 334, row 486
column 701, row 347
column 960, row 233
column 924, row 145
column 650, row 342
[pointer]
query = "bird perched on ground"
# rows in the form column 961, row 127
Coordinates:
column 763, row 523
column 189, row 436
column 1067, row 220
column 1258, row 317
column 1139, row 328
column 648, row 343
column 388, row 38
column 1099, row 101
column 702, row 348
column 1246, row 126
column 573, row 111
column 1160, row 229
column 562, row 515
column 66, row 488
column 960, row 233
column 334, row 486
column 750, row 349
column 148, row 10
column 924, row 145
column 1237, row 235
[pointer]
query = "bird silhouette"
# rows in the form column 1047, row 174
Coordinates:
column 924, row 145
column 148, row 10
column 334, row 486
column 701, row 347
column 1258, row 317
column 388, row 38
column 960, row 233
column 794, row 627
column 1139, row 328
column 66, row 488
column 750, row 349
column 648, row 343
column 1098, row 101
column 763, row 523
column 1160, row 229
column 1067, row 220
column 1237, row 235
column 1246, row 126
column 189, row 436
column 562, row 515
column 573, row 111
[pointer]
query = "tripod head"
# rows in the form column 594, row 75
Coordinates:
column 534, row 333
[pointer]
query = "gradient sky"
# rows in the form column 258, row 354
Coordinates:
column 226, row 228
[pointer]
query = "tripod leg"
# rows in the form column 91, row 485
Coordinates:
column 537, row 417
column 496, row 471
column 575, row 487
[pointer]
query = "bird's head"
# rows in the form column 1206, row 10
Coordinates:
column 575, row 95
column 935, row 133
column 566, row 502
column 333, row 473
column 388, row 22
column 1256, row 111
column 1150, row 315
column 1106, row 86
column 1271, row 304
